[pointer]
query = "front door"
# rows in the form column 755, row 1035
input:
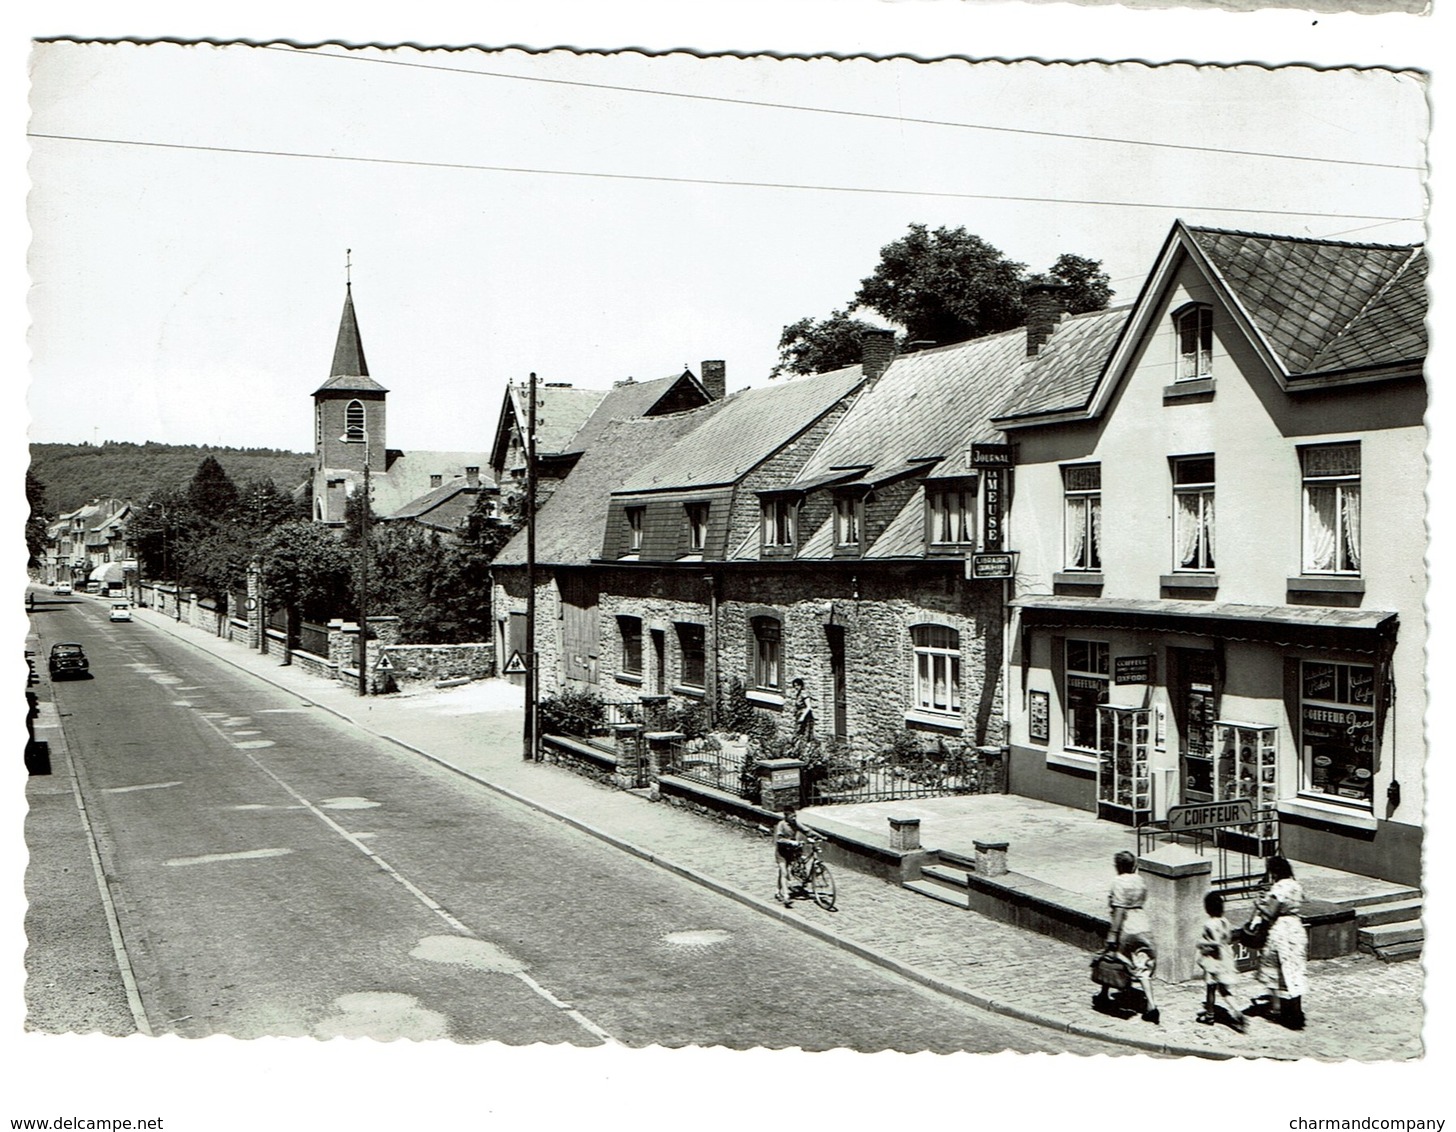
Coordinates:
column 838, row 680
column 1193, row 692
column 659, row 663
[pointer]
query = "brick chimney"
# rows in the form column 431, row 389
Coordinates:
column 1046, row 302
column 877, row 351
column 715, row 379
column 435, row 480
column 472, row 477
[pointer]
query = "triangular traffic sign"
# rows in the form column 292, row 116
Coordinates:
column 515, row 666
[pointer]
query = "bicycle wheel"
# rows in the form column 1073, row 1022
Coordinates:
column 821, row 886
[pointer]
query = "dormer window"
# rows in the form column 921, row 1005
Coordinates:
column 1194, row 324
column 354, row 422
column 848, row 524
column 697, row 516
column 951, row 512
column 634, row 529
column 780, row 515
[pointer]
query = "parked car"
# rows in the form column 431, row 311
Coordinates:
column 120, row 611
column 68, row 659
column 63, row 588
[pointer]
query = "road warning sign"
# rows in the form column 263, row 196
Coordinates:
column 383, row 664
column 515, row 666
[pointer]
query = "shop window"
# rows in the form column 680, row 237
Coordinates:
column 1195, row 342
column 691, row 647
column 1082, row 488
column 1331, row 509
column 634, row 529
column 1193, row 547
column 937, row 668
column 630, row 629
column 952, row 513
column 1086, row 683
column 767, row 653
column 1337, row 731
column 354, row 421
column 779, row 516
column 697, row 516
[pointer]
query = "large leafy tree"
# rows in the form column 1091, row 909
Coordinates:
column 37, row 519
column 942, row 286
column 307, row 570
column 212, row 495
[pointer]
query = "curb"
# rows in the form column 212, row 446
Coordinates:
column 826, row 935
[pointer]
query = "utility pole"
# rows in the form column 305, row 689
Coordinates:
column 364, row 578
column 532, row 746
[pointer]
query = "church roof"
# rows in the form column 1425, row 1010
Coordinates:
column 349, row 372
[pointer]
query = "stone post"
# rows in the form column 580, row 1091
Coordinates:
column 904, row 834
column 255, row 607
column 1177, row 879
column 654, row 711
column 631, row 757
column 992, row 762
column 780, row 783
column 659, row 755
column 991, row 858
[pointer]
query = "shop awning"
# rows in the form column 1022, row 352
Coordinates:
column 1304, row 626
column 109, row 572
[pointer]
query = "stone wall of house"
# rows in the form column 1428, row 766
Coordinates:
column 431, row 663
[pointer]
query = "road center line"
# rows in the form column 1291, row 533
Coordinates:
column 414, row 890
column 142, row 786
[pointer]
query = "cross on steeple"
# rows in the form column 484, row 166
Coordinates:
column 348, row 281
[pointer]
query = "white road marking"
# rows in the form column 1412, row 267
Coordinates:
column 253, row 744
column 284, row 711
column 181, row 703
column 247, row 733
column 142, row 786
column 348, row 804
column 241, row 855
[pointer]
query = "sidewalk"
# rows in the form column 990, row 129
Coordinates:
column 1358, row 1007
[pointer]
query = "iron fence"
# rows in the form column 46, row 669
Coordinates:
column 711, row 763
column 313, row 638
column 844, row 777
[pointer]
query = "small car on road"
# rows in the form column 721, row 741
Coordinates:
column 120, row 611
column 68, row 659
column 63, row 588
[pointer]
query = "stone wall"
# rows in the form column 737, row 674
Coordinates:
column 430, row 663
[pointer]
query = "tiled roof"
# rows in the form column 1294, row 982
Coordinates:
column 1392, row 328
column 1305, row 294
column 437, row 498
column 624, row 401
column 1065, row 370
column 409, row 475
column 749, row 427
column 561, row 410
column 569, row 526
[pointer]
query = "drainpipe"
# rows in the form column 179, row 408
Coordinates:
column 712, row 650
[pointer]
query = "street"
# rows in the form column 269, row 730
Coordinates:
column 275, row 871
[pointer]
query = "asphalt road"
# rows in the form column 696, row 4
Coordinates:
column 274, row 871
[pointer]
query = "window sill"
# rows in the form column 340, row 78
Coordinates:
column 765, row 698
column 1078, row 578
column 1330, row 812
column 775, row 550
column 1073, row 760
column 1201, row 387
column 949, row 549
column 1188, row 581
column 628, row 678
column 1326, row 584
column 939, row 721
column 690, row 691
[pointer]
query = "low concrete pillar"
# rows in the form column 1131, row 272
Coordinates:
column 659, row 752
column 780, row 783
column 991, row 858
column 904, row 833
column 992, row 762
column 1177, row 879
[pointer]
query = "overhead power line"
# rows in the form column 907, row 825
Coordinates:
column 706, row 181
column 898, row 119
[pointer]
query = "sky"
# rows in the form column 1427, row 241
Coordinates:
column 178, row 247
column 597, row 216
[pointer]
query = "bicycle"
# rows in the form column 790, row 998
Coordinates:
column 808, row 874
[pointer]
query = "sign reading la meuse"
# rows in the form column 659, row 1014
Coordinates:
column 1210, row 815
column 991, row 486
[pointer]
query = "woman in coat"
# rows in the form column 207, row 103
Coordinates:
column 1283, row 963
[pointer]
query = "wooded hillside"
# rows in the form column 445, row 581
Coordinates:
column 73, row 474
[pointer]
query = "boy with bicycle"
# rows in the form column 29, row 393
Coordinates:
column 789, row 837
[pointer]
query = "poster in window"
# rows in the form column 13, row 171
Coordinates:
column 1039, row 716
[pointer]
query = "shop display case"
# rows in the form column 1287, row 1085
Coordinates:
column 1246, row 766
column 1124, row 778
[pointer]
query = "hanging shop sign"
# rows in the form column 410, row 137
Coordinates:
column 992, row 565
column 1210, row 815
column 992, row 455
column 992, row 488
column 1134, row 669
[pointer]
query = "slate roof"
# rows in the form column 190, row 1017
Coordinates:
column 1066, row 369
column 624, row 401
column 443, row 508
column 569, row 526
column 408, row 477
column 349, row 371
column 748, row 428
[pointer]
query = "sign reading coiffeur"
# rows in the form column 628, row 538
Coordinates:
column 1210, row 815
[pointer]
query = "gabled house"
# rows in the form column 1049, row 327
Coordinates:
column 445, row 509
column 1219, row 507
column 91, row 536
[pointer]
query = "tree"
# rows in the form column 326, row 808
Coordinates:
column 212, row 495
column 808, row 346
column 306, row 570
column 38, row 518
column 262, row 504
column 942, row 286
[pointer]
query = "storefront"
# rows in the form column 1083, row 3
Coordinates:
column 1130, row 707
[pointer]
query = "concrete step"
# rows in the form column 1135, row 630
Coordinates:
column 1373, row 898
column 954, row 877
column 939, row 890
column 1392, row 912
column 1399, row 952
column 1387, row 935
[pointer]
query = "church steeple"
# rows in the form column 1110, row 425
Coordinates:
column 349, row 349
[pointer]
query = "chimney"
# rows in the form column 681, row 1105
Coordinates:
column 715, row 379
column 435, row 481
column 877, row 351
column 472, row 476
column 1046, row 302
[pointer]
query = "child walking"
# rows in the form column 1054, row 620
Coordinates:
column 1215, row 957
